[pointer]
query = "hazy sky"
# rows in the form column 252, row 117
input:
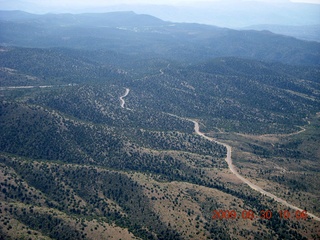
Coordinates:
column 116, row 2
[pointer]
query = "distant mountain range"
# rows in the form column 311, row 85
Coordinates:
column 308, row 32
column 135, row 34
column 226, row 13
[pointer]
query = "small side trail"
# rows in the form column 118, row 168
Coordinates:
column 244, row 180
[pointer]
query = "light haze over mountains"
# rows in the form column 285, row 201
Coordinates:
column 230, row 13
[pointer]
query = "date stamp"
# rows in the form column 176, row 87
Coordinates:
column 263, row 214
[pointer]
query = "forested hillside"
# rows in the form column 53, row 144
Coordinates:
column 99, row 138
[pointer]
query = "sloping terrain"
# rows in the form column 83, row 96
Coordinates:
column 100, row 144
column 307, row 32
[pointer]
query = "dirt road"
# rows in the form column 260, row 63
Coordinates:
column 234, row 171
column 122, row 102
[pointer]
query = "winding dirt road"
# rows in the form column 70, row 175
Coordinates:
column 230, row 165
column 234, row 171
column 122, row 102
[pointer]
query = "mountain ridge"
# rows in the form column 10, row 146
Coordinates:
column 137, row 34
column 307, row 32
